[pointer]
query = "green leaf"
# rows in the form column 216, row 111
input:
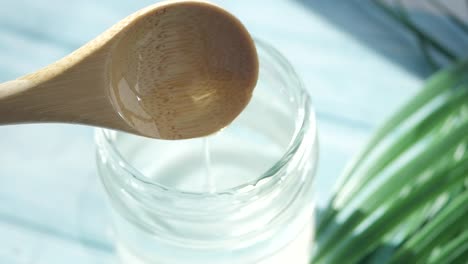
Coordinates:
column 437, row 85
column 454, row 249
column 444, row 225
column 353, row 248
column 329, row 240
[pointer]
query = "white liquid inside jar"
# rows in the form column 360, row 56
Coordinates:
column 243, row 195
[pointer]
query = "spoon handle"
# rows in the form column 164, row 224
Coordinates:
column 71, row 90
column 15, row 104
column 64, row 98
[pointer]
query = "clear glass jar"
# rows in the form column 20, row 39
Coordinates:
column 243, row 195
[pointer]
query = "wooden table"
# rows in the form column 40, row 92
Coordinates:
column 52, row 207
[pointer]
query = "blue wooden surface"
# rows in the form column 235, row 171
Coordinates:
column 52, row 208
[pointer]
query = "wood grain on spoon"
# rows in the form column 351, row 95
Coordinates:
column 177, row 69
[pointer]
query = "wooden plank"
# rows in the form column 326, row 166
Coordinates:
column 48, row 182
column 21, row 246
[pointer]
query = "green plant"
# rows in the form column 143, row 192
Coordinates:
column 404, row 198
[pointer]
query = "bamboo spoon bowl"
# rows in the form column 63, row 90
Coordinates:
column 174, row 70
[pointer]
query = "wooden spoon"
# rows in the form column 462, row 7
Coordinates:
column 174, row 70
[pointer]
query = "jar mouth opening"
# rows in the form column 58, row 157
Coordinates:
column 305, row 118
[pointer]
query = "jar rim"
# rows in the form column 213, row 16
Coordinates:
column 305, row 119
